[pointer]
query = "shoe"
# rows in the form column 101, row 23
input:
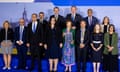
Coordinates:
column 4, row 68
column 9, row 68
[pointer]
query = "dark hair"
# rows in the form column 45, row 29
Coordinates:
column 56, row 8
column 111, row 25
column 41, row 12
column 82, row 21
column 73, row 7
column 34, row 14
column 68, row 21
column 6, row 22
column 51, row 19
column 89, row 10
column 107, row 18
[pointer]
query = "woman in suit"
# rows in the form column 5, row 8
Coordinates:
column 68, row 58
column 111, row 49
column 105, row 24
column 6, row 40
column 96, row 44
column 53, row 44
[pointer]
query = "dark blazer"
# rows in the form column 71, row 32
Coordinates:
column 58, row 35
column 76, row 21
column 78, row 36
column 17, row 34
column 94, row 21
column 60, row 22
column 34, row 38
column 10, row 34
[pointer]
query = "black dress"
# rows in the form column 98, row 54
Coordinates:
column 53, row 51
column 96, row 40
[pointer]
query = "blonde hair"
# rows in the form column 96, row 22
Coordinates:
column 95, row 28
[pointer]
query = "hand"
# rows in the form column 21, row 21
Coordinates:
column 40, row 44
column 98, row 49
column 82, row 45
column 28, row 44
column 72, row 42
column 110, row 49
column 45, row 46
column 61, row 45
column 95, row 49
column 73, row 27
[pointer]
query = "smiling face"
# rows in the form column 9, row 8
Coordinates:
column 6, row 25
column 111, row 29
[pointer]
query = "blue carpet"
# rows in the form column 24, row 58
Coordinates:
column 44, row 66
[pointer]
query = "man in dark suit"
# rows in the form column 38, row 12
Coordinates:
column 20, row 42
column 91, row 20
column 74, row 17
column 44, row 25
column 82, row 40
column 60, row 20
column 34, row 41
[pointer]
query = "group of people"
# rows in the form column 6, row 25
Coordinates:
column 71, row 39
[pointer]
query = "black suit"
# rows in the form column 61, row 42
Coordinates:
column 60, row 21
column 76, row 21
column 44, row 25
column 94, row 21
column 34, row 38
column 81, row 52
column 22, row 49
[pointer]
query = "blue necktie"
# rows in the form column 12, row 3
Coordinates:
column 34, row 28
column 21, row 33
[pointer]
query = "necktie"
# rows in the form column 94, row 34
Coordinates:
column 34, row 27
column 82, row 36
column 73, row 17
column 21, row 33
column 56, row 17
column 90, row 19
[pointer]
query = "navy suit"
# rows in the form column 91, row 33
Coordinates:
column 22, row 49
column 82, row 52
column 94, row 21
column 76, row 21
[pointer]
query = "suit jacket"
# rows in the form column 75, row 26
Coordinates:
column 10, row 34
column 60, row 21
column 76, row 21
column 114, row 43
column 34, row 38
column 58, row 36
column 17, row 35
column 94, row 21
column 78, row 38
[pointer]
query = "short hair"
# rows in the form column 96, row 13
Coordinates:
column 41, row 12
column 6, row 22
column 111, row 25
column 56, row 8
column 73, row 7
column 89, row 10
column 34, row 14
